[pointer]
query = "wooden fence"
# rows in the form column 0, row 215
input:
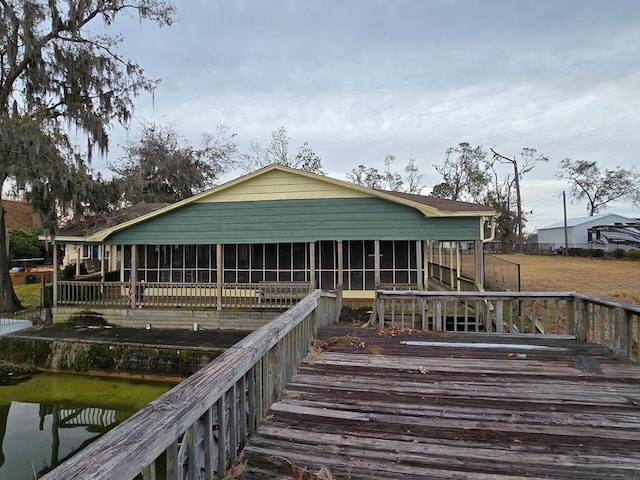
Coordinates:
column 197, row 429
column 612, row 324
column 271, row 295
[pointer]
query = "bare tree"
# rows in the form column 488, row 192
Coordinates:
column 370, row 177
column 414, row 180
column 600, row 187
column 393, row 180
column 278, row 152
column 530, row 158
column 366, row 177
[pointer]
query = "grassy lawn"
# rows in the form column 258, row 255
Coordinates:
column 29, row 295
column 609, row 278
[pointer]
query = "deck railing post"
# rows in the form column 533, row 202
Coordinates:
column 437, row 316
column 380, row 312
column 581, row 319
column 622, row 334
column 571, row 317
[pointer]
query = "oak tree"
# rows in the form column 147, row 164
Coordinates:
column 56, row 76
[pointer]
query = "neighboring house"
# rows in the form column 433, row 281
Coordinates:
column 581, row 232
column 18, row 215
column 284, row 225
column 92, row 255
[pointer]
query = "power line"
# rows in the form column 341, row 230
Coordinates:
column 557, row 195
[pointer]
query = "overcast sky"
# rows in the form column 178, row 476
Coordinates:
column 361, row 79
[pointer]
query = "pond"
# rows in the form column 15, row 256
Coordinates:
column 49, row 417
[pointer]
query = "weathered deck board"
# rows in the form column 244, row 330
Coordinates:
column 371, row 407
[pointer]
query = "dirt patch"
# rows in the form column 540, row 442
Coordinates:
column 603, row 277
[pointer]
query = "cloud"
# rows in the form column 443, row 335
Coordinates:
column 360, row 80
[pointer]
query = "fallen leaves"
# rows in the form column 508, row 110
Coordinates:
column 394, row 331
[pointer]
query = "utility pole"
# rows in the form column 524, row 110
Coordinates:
column 566, row 235
column 516, row 179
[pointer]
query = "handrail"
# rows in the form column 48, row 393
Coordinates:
column 613, row 324
column 213, row 412
column 124, row 294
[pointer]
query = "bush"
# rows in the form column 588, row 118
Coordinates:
column 25, row 244
column 597, row 253
column 619, row 253
column 633, row 254
column 574, row 252
column 69, row 271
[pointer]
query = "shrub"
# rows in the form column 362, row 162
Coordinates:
column 574, row 252
column 633, row 254
column 597, row 253
column 69, row 271
column 619, row 253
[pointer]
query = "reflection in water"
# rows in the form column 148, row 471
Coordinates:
column 37, row 436
column 4, row 414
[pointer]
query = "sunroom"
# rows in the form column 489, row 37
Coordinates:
column 265, row 239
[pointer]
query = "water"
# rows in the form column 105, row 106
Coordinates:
column 49, row 417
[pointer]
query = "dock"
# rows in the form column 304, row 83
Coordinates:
column 400, row 404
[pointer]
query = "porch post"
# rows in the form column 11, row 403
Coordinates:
column 219, row 271
column 376, row 263
column 439, row 261
column 425, row 264
column 102, row 261
column 419, row 264
column 55, row 274
column 78, row 257
column 452, row 277
column 479, row 262
column 459, row 263
column 340, row 269
column 312, row 264
column 122, row 279
column 134, row 275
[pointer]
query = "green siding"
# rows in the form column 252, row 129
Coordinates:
column 295, row 221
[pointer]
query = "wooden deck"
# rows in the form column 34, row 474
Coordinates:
column 468, row 406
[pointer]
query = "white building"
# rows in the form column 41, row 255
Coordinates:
column 581, row 234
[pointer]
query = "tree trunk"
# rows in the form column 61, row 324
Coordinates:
column 8, row 299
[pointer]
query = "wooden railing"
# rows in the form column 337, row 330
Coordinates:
column 276, row 295
column 200, row 426
column 612, row 324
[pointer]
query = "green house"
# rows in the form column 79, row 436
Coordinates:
column 281, row 225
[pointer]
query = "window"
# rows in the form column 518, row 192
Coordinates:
column 174, row 263
column 272, row 262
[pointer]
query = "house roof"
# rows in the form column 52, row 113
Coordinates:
column 19, row 216
column 577, row 221
column 440, row 203
column 95, row 223
column 428, row 206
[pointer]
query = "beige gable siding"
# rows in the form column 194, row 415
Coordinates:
column 281, row 185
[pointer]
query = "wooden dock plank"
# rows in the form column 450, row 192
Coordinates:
column 369, row 407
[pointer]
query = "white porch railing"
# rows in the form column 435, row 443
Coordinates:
column 614, row 325
column 202, row 424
